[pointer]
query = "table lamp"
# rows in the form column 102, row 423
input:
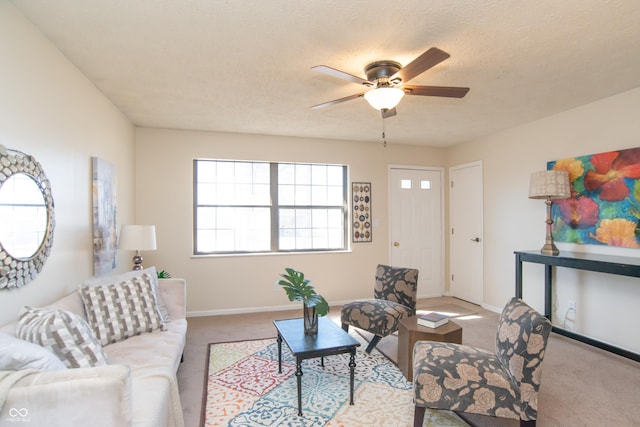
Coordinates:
column 137, row 238
column 549, row 185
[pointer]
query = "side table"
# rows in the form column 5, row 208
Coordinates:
column 329, row 340
column 409, row 332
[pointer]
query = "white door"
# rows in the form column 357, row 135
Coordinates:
column 415, row 197
column 465, row 218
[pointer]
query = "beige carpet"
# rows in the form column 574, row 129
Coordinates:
column 581, row 385
column 453, row 310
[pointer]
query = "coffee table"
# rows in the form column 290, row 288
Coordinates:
column 409, row 332
column 329, row 340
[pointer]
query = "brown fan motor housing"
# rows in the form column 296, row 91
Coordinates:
column 379, row 72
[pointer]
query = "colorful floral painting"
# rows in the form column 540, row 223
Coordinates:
column 604, row 207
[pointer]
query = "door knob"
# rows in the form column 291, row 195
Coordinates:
column 396, row 244
column 477, row 239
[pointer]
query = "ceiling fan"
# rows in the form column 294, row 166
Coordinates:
column 388, row 78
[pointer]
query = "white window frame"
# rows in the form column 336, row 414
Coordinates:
column 334, row 243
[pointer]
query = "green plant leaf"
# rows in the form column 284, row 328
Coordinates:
column 321, row 305
column 298, row 288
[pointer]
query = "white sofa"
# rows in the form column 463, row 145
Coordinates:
column 137, row 387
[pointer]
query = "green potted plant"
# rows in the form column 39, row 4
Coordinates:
column 313, row 304
column 163, row 275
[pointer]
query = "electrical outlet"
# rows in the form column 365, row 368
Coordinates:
column 572, row 305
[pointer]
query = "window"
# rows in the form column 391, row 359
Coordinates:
column 245, row 207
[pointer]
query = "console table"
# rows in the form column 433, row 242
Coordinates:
column 622, row 266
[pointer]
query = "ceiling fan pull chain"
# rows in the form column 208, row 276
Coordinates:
column 384, row 138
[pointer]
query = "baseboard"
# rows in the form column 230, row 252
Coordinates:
column 491, row 308
column 243, row 310
column 247, row 310
column 430, row 296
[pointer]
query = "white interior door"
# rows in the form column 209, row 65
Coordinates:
column 465, row 217
column 416, row 228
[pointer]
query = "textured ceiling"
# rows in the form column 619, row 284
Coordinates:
column 245, row 66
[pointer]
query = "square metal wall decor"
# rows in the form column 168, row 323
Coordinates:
column 361, row 229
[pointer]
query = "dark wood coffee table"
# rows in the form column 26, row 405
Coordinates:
column 329, row 340
column 409, row 332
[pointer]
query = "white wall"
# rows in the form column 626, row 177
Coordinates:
column 50, row 110
column 164, row 176
column 512, row 221
column 606, row 304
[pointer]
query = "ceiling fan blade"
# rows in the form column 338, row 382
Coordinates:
column 445, row 91
column 337, row 101
column 422, row 63
column 341, row 75
column 388, row 113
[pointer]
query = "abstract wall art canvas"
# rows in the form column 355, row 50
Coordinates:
column 604, row 207
column 104, row 216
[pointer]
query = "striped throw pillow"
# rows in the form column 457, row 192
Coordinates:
column 64, row 333
column 121, row 310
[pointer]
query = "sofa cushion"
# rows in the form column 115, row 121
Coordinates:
column 65, row 334
column 17, row 354
column 123, row 277
column 121, row 310
column 158, row 348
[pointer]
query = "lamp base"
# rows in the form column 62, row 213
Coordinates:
column 549, row 249
column 137, row 262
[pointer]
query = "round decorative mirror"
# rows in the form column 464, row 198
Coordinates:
column 26, row 218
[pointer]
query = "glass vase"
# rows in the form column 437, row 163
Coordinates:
column 310, row 320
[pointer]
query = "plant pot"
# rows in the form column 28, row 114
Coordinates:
column 310, row 320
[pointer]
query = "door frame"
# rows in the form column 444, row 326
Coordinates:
column 443, row 226
column 451, row 254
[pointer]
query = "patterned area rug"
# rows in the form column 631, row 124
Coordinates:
column 244, row 388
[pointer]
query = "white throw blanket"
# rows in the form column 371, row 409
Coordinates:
column 175, row 418
column 8, row 380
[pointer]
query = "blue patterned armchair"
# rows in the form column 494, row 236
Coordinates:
column 394, row 299
column 467, row 379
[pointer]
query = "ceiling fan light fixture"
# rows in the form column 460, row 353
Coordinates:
column 384, row 97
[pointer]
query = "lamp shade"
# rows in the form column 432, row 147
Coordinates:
column 553, row 184
column 384, row 97
column 138, row 237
